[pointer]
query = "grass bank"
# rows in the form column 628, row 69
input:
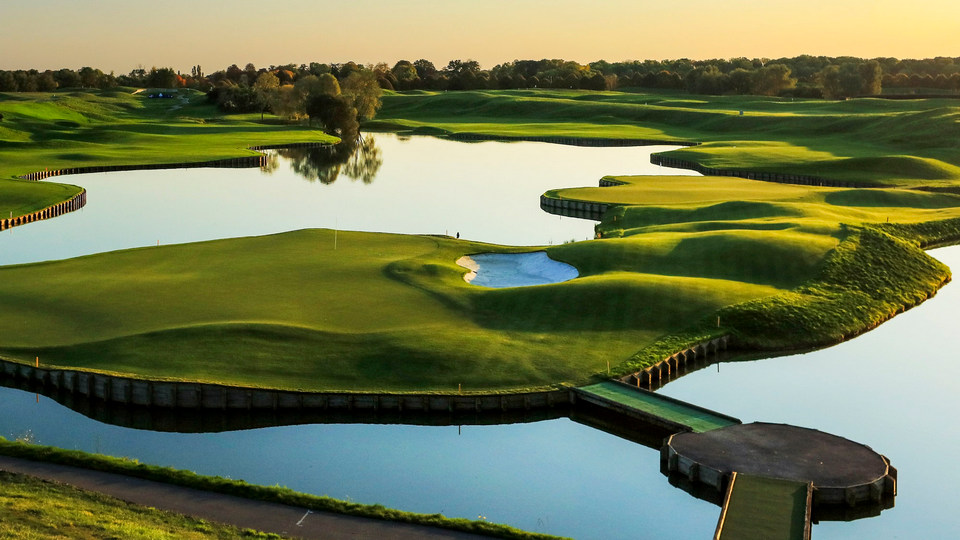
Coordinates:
column 37, row 509
column 116, row 127
column 874, row 141
column 240, row 488
column 391, row 313
column 378, row 313
column 852, row 267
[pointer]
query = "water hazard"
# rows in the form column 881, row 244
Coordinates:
column 485, row 191
column 892, row 388
column 541, row 476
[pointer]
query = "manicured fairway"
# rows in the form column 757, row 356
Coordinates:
column 380, row 312
column 904, row 143
column 91, row 128
column 680, row 259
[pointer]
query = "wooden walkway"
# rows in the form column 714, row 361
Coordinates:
column 664, row 411
column 759, row 508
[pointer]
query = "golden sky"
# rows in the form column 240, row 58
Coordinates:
column 120, row 35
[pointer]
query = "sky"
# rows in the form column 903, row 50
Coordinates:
column 115, row 35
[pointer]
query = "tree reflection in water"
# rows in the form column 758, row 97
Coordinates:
column 358, row 159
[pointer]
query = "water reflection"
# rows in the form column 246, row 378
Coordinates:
column 893, row 388
column 359, row 159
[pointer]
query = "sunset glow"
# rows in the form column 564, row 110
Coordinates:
column 120, row 35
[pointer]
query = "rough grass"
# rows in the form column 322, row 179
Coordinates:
column 231, row 487
column 34, row 509
column 836, row 279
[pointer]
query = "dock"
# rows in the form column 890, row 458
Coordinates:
column 760, row 508
column 662, row 411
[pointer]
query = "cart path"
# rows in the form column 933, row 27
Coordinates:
column 245, row 513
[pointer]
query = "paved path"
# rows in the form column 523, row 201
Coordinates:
column 245, row 513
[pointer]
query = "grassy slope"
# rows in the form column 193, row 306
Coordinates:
column 382, row 312
column 909, row 142
column 850, row 269
column 391, row 313
column 35, row 509
column 74, row 129
column 239, row 488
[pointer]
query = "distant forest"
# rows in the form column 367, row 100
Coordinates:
column 802, row 76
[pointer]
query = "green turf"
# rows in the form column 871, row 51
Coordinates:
column 381, row 312
column 903, row 143
column 39, row 505
column 782, row 265
column 696, row 419
column 34, row 509
column 765, row 508
column 43, row 131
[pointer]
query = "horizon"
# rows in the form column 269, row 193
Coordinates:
column 56, row 34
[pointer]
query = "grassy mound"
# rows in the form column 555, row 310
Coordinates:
column 381, row 312
column 93, row 128
column 128, row 515
column 902, row 143
column 835, row 280
column 868, row 279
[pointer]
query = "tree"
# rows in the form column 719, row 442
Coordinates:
column 363, row 93
column 707, row 80
column 67, row 78
column 425, row 68
column 406, row 75
column 829, row 79
column 89, row 77
column 46, row 83
column 266, row 88
column 458, row 67
column 162, row 78
column 336, row 114
column 871, row 77
column 771, row 79
column 741, row 81
column 8, row 83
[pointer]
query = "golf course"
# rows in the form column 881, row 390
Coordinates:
column 677, row 260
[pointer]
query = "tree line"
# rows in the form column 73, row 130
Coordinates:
column 800, row 76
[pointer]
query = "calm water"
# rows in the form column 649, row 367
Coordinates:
column 487, row 191
column 553, row 476
column 894, row 388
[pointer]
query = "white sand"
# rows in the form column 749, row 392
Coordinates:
column 498, row 270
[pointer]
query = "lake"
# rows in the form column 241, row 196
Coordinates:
column 892, row 388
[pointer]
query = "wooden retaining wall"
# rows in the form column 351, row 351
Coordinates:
column 675, row 364
column 882, row 488
column 574, row 208
column 69, row 206
column 189, row 395
column 231, row 163
column 77, row 202
column 571, row 141
column 801, row 179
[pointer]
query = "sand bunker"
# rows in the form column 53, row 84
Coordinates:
column 499, row 270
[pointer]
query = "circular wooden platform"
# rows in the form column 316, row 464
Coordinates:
column 842, row 471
